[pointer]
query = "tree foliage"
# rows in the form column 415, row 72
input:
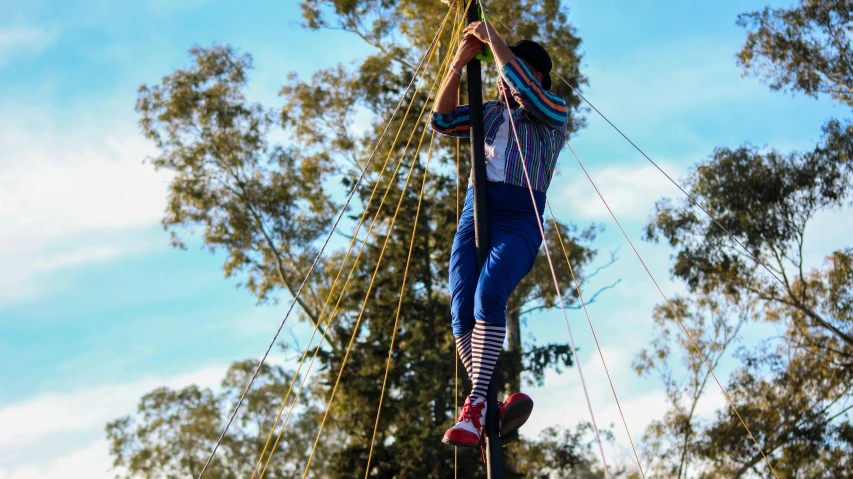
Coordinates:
column 264, row 205
column 268, row 207
column 803, row 49
column 174, row 431
column 793, row 391
column 683, row 361
column 766, row 200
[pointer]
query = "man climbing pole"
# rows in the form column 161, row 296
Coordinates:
column 479, row 296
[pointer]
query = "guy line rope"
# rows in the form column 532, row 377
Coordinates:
column 669, row 305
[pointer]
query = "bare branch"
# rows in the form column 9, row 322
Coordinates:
column 611, row 262
column 591, row 300
column 374, row 44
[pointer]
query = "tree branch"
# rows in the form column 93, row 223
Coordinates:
column 292, row 261
column 373, row 44
column 800, row 240
column 824, row 324
column 611, row 262
column 804, row 345
column 781, row 265
column 595, row 295
column 591, row 300
column 312, row 315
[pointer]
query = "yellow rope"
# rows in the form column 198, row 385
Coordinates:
column 460, row 15
column 399, row 307
column 442, row 72
column 373, row 277
column 280, row 411
column 340, row 298
column 325, row 306
column 343, row 264
column 364, row 304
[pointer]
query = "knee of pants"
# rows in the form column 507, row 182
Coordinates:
column 463, row 320
column 490, row 306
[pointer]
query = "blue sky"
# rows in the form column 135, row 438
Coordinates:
column 96, row 308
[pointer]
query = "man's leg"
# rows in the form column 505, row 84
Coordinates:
column 511, row 257
column 464, row 275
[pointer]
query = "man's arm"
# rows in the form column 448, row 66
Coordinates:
column 543, row 104
column 456, row 123
column 448, row 117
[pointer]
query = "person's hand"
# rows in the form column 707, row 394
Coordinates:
column 469, row 47
column 483, row 31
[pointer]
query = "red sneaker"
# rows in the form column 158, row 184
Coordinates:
column 469, row 430
column 513, row 413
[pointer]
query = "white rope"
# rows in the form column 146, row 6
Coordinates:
column 557, row 288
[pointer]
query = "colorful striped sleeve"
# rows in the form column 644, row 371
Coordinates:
column 456, row 123
column 543, row 104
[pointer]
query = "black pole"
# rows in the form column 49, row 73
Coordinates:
column 481, row 236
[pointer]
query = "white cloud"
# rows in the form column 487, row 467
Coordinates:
column 18, row 40
column 28, row 422
column 631, row 191
column 89, row 462
column 818, row 244
column 79, row 256
column 562, row 400
column 70, row 185
column 30, row 425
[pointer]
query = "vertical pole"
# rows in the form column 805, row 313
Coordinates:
column 481, row 236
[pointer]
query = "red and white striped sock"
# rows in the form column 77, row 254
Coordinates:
column 463, row 347
column 487, row 341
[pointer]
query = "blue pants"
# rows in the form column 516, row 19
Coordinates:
column 514, row 242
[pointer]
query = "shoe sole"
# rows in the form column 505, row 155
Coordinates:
column 515, row 415
column 513, row 436
column 458, row 444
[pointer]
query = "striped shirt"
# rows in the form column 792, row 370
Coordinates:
column 540, row 120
